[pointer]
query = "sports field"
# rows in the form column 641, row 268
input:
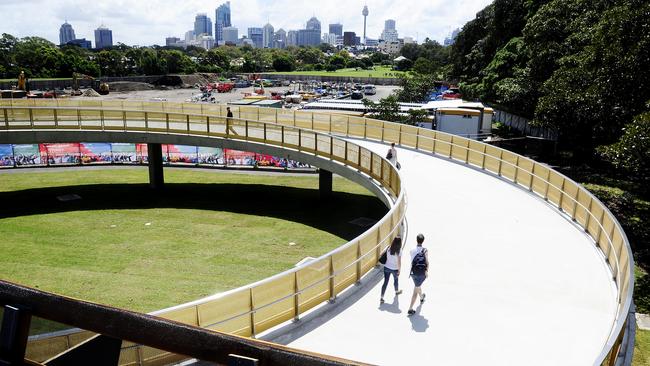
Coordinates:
column 122, row 244
column 378, row 72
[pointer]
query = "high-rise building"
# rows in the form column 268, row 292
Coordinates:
column 337, row 29
column 365, row 13
column 205, row 41
column 452, row 37
column 230, row 35
column 390, row 33
column 171, row 41
column 83, row 43
column 256, row 35
column 221, row 20
column 103, row 37
column 202, row 25
column 267, row 35
column 292, row 38
column 308, row 37
column 313, row 24
column 190, row 36
column 329, row 38
column 66, row 33
column 280, row 39
column 349, row 39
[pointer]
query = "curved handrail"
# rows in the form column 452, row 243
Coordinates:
column 569, row 197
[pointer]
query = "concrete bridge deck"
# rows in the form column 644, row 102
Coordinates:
column 511, row 282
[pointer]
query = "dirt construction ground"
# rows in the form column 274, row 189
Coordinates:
column 182, row 95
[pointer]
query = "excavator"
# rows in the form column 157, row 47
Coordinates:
column 99, row 86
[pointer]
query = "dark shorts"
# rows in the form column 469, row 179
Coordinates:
column 418, row 279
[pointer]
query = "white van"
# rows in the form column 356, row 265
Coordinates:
column 369, row 90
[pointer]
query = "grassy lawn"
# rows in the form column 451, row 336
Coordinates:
column 641, row 348
column 209, row 231
column 378, row 72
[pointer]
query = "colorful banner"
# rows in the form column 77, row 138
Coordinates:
column 182, row 154
column 211, row 156
column 236, row 157
column 95, row 153
column 28, row 154
column 6, row 156
column 62, row 154
column 124, row 153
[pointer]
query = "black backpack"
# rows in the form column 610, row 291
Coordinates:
column 419, row 263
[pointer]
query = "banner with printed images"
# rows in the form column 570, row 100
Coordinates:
column 28, row 155
column 211, row 156
column 95, row 153
column 62, row 154
column 236, row 157
column 124, row 153
column 142, row 153
column 182, row 154
column 6, row 155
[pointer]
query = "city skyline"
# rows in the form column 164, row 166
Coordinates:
column 149, row 23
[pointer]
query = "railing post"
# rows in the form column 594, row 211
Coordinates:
column 484, row 153
column 252, row 313
column 282, row 134
column 330, row 128
column 516, row 170
column 332, row 295
column 13, row 335
column 358, row 263
column 299, row 139
column 559, row 204
column 146, row 121
column 312, row 121
column 548, row 184
column 296, row 300
column 500, row 162
column 6, row 117
column 56, row 118
column 346, row 152
column 207, row 124
column 467, row 152
column 365, row 127
column 265, row 128
column 246, row 125
column 123, row 120
column 331, row 145
column 591, row 201
column 399, row 140
column 167, row 121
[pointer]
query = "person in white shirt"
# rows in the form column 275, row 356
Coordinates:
column 392, row 266
column 419, row 271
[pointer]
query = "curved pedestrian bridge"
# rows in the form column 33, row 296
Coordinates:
column 527, row 267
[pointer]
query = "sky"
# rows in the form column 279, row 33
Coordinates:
column 148, row 22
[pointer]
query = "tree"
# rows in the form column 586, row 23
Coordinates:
column 415, row 89
column 38, row 57
column 337, row 62
column 404, row 64
column 424, row 66
column 631, row 153
column 386, row 109
column 284, row 62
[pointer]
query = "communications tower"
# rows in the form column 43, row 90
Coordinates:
column 365, row 15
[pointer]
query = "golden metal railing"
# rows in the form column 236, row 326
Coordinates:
column 569, row 197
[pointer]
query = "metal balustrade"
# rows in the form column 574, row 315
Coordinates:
column 314, row 132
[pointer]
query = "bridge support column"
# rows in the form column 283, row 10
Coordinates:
column 325, row 183
column 156, row 176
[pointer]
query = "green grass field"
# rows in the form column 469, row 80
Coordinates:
column 209, row 231
column 378, row 72
column 641, row 348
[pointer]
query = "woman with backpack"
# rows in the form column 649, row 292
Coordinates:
column 419, row 271
column 392, row 266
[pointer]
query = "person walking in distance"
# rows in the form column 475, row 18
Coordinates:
column 392, row 266
column 229, row 128
column 392, row 154
column 419, row 271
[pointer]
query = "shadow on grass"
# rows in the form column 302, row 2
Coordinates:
column 300, row 205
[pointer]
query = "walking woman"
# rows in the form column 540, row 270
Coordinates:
column 392, row 266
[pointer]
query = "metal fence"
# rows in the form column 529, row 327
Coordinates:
column 523, row 125
column 251, row 310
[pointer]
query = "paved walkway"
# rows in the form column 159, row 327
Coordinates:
column 512, row 282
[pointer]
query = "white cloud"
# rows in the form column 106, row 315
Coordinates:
column 149, row 22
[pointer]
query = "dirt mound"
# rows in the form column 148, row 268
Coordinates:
column 127, row 86
column 90, row 93
column 187, row 81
